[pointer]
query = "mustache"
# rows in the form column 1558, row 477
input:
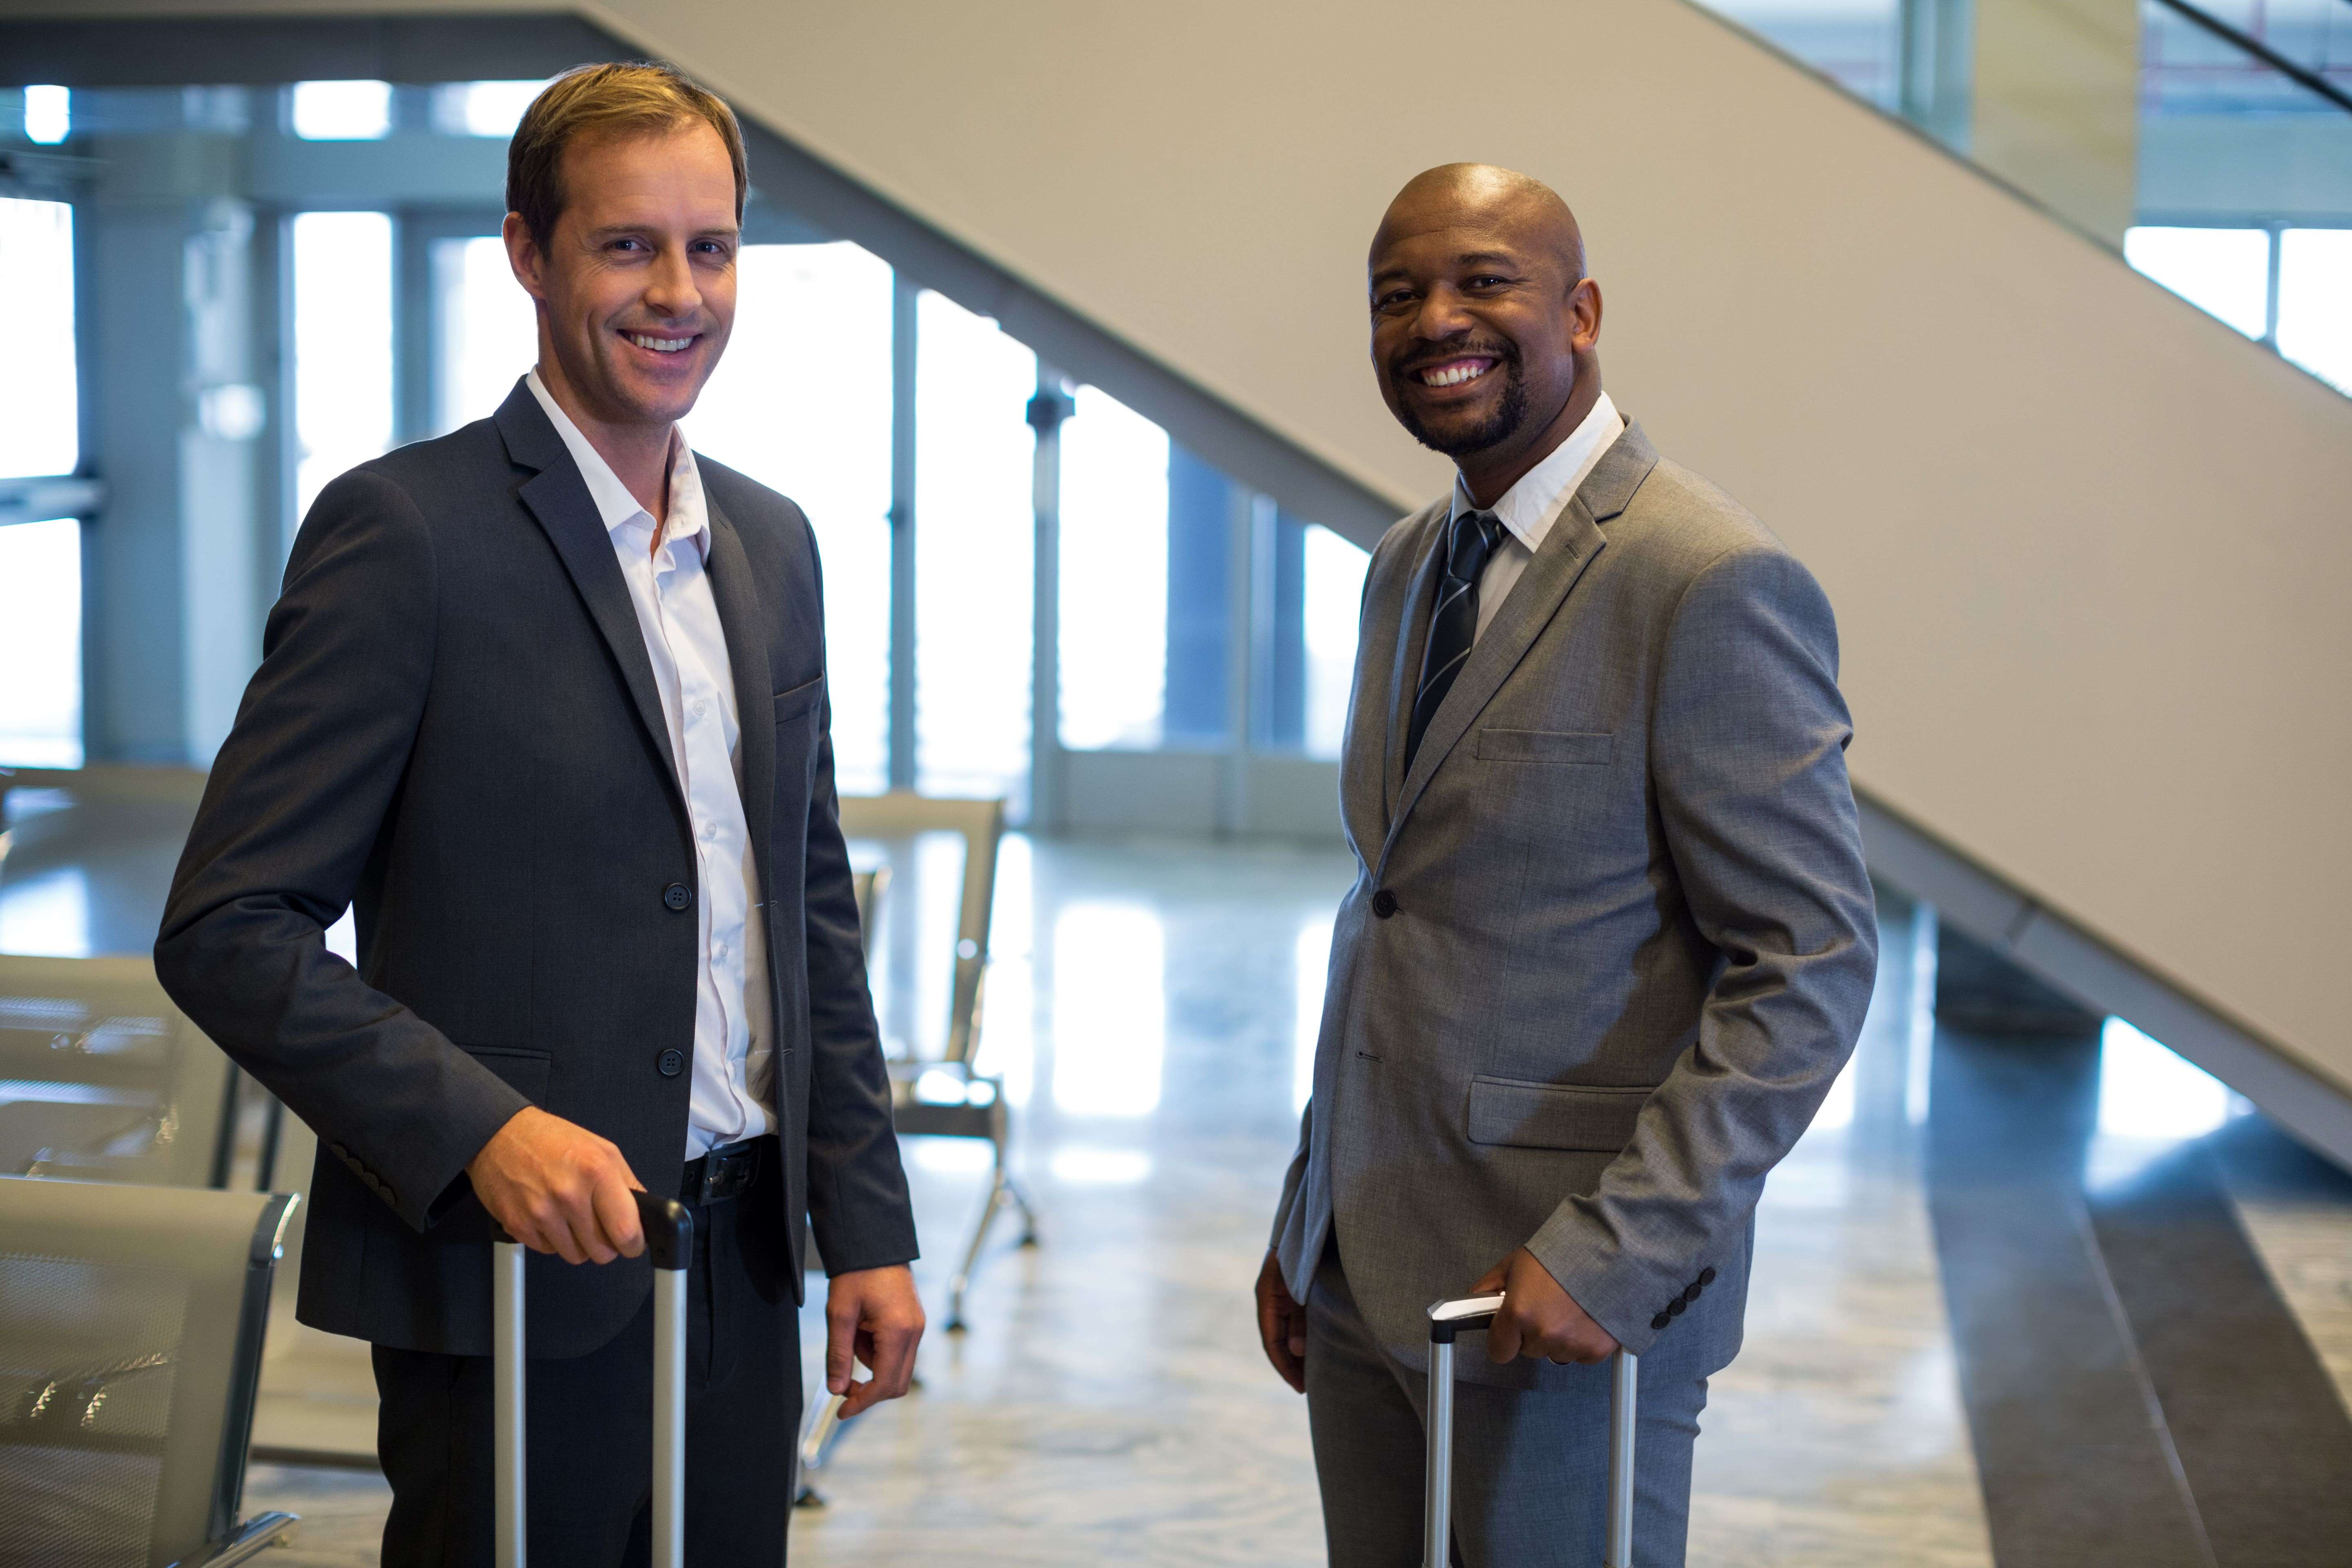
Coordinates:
column 1403, row 363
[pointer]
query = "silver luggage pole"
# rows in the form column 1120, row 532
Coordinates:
column 505, row 1397
column 1448, row 1319
column 669, row 1228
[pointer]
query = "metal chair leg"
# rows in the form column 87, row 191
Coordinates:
column 1028, row 1211
column 1000, row 1192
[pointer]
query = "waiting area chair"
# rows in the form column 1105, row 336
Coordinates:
column 945, row 1097
column 102, row 1079
column 132, row 1321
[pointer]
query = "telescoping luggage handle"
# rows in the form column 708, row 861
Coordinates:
column 670, row 1241
column 1447, row 1319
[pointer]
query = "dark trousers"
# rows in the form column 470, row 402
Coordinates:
column 588, row 1449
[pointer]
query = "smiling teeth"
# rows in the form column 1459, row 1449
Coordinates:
column 663, row 345
column 1451, row 375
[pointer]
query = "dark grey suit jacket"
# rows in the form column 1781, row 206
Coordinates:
column 455, row 731
column 1611, row 938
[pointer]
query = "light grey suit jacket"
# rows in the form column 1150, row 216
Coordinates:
column 1610, row 938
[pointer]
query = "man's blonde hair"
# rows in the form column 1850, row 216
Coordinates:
column 641, row 98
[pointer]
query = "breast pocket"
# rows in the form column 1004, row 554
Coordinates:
column 1570, row 747
column 800, row 702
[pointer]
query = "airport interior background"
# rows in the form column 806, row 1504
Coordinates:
column 2062, row 1273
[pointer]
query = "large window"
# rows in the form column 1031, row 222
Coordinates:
column 39, row 403
column 2299, row 301
column 40, row 563
column 488, row 328
column 343, row 345
column 1333, row 611
column 1115, row 577
column 801, row 401
column 2315, row 304
column 976, row 529
column 40, row 644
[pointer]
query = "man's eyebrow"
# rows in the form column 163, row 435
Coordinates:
column 1490, row 258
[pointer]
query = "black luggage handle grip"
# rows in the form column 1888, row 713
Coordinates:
column 668, row 1225
column 1461, row 1316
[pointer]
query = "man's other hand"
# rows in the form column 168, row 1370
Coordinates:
column 874, row 1315
column 1281, row 1325
column 1538, row 1318
column 558, row 1188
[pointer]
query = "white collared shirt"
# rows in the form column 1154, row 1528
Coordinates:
column 734, row 1057
column 1530, row 507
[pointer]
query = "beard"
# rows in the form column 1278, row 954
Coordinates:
column 1491, row 431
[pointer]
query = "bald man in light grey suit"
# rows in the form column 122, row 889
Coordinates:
column 1610, row 938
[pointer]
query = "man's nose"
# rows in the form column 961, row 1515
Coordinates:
column 1440, row 316
column 671, row 291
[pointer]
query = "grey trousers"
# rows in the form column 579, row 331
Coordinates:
column 1530, row 1471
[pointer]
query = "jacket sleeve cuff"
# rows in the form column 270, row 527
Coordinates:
column 1637, row 1302
column 431, row 1181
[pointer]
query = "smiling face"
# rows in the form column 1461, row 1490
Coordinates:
column 1484, row 325
column 635, row 287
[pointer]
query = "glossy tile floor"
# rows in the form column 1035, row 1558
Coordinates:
column 1151, row 1006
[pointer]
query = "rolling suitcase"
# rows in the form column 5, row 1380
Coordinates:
column 1447, row 1319
column 669, row 1242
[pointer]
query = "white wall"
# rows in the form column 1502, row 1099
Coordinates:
column 2088, row 547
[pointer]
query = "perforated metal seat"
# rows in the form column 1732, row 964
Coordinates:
column 131, row 1336
column 102, row 1079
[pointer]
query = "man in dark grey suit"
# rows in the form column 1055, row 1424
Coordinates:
column 544, row 702
column 1610, row 937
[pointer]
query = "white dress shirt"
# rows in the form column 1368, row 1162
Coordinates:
column 733, row 1039
column 1530, row 507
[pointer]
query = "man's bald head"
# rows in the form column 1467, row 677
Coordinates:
column 1484, row 322
column 1453, row 194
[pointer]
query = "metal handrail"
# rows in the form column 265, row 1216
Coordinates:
column 2303, row 76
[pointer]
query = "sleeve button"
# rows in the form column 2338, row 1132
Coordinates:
column 1677, row 1307
column 1661, row 1321
column 1705, row 1277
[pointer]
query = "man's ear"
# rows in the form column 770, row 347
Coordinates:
column 523, row 254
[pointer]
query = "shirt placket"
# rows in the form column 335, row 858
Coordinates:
column 706, row 763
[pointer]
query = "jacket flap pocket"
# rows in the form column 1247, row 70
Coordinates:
column 1591, row 750
column 1553, row 1116
column 791, row 705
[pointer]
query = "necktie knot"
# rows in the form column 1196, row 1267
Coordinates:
column 1476, row 534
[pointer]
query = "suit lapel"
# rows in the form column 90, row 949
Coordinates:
column 744, row 620
column 558, row 498
column 1574, row 541
column 1404, row 674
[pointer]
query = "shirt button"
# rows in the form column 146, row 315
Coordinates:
column 698, row 708
column 670, row 1063
column 718, row 950
column 677, row 895
column 1384, row 903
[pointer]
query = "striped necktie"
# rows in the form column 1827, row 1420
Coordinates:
column 1453, row 624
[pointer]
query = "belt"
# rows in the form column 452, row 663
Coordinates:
column 724, row 1173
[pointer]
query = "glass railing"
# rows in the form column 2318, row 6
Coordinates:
column 2210, row 142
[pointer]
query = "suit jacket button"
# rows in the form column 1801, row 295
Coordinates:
column 677, row 896
column 1661, row 1321
column 1677, row 1307
column 1384, row 903
column 1705, row 1277
column 670, row 1063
